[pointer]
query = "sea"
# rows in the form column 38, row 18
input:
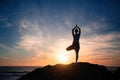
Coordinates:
column 15, row 72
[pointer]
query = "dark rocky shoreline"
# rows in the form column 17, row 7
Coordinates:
column 73, row 71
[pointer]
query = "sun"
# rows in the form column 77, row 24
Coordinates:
column 63, row 58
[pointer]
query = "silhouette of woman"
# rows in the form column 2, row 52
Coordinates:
column 76, row 32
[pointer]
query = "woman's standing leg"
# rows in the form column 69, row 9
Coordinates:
column 77, row 52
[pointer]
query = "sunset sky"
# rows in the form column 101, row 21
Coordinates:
column 37, row 32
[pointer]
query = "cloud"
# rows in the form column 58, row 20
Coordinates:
column 102, row 41
column 44, row 43
column 94, row 28
column 67, row 22
column 3, row 58
column 8, row 55
column 101, row 47
column 33, row 39
column 31, row 35
column 5, row 23
column 39, row 41
column 7, row 48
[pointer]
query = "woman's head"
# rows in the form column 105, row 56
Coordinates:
column 76, row 30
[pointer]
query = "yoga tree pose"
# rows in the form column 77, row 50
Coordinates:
column 76, row 32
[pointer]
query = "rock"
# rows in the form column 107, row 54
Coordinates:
column 116, row 74
column 79, row 71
